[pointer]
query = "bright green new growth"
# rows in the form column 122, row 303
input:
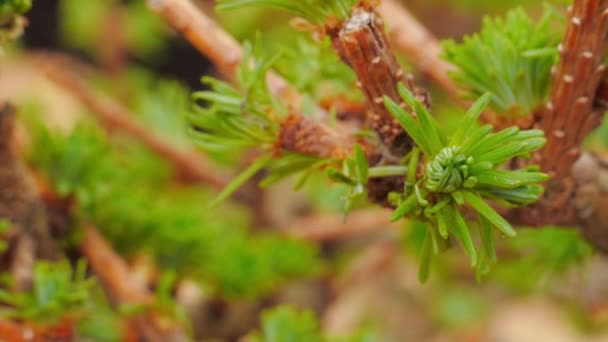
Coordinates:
column 315, row 11
column 510, row 58
column 230, row 119
column 465, row 170
column 57, row 291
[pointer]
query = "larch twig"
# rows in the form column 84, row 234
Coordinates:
column 215, row 43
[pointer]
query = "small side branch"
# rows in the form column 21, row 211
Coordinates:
column 215, row 43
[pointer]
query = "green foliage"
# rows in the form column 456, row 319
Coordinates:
column 58, row 290
column 10, row 8
column 233, row 119
column 4, row 226
column 11, row 20
column 117, row 187
column 458, row 307
column 230, row 119
column 315, row 11
column 314, row 68
column 541, row 253
column 286, row 324
column 355, row 173
column 464, row 170
column 510, row 58
column 100, row 323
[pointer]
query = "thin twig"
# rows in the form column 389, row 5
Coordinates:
column 114, row 272
column 215, row 43
column 112, row 269
column 410, row 37
column 335, row 227
column 114, row 115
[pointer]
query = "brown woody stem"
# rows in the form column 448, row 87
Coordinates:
column 573, row 110
column 363, row 45
column 419, row 45
column 312, row 137
column 215, row 43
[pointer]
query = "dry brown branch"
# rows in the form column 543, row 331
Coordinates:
column 115, row 116
column 334, row 227
column 115, row 274
column 410, row 37
column 215, row 43
column 112, row 269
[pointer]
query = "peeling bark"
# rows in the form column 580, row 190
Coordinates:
column 363, row 45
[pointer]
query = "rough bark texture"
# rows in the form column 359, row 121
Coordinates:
column 572, row 112
column 308, row 136
column 363, row 45
column 361, row 42
column 21, row 206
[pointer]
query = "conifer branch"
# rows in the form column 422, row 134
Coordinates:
column 115, row 116
column 414, row 40
column 311, row 137
column 215, row 43
column 227, row 54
